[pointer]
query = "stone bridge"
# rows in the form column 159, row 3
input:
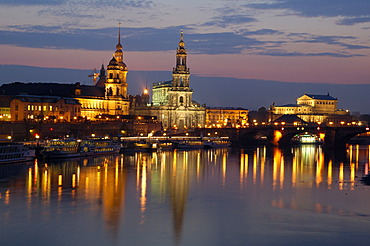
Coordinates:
column 334, row 137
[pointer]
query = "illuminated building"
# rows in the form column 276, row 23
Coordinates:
column 44, row 108
column 114, row 82
column 226, row 117
column 172, row 101
column 107, row 97
column 5, row 108
column 312, row 108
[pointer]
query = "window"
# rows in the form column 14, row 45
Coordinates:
column 16, row 107
column 181, row 99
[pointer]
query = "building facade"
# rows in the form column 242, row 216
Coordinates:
column 113, row 83
column 44, row 108
column 219, row 117
column 5, row 108
column 107, row 97
column 172, row 101
column 312, row 108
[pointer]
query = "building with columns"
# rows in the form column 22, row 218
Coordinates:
column 313, row 108
column 220, row 117
column 172, row 101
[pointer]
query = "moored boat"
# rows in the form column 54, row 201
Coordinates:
column 62, row 148
column 188, row 144
column 92, row 147
column 67, row 148
column 13, row 152
column 306, row 139
column 216, row 142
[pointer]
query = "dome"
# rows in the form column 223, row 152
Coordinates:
column 123, row 66
column 182, row 44
column 113, row 62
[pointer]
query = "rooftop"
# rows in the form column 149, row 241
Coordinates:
column 50, row 89
column 321, row 97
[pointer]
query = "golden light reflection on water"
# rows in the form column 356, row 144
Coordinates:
column 287, row 178
column 243, row 167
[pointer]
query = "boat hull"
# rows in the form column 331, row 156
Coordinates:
column 13, row 152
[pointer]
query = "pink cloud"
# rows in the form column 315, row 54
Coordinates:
column 290, row 69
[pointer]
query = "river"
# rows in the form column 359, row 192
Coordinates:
column 261, row 196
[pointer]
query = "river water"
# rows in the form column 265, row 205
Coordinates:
column 261, row 196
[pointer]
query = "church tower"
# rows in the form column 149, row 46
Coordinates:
column 172, row 101
column 181, row 72
column 116, row 85
column 180, row 95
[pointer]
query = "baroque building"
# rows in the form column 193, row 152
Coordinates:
column 220, row 117
column 45, row 108
column 313, row 108
column 113, row 83
column 107, row 97
column 172, row 101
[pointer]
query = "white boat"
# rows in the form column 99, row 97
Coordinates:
column 62, row 148
column 163, row 145
column 13, row 152
column 306, row 139
column 67, row 148
column 92, row 147
column 216, row 142
column 188, row 144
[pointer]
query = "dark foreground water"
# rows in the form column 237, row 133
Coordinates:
column 300, row 196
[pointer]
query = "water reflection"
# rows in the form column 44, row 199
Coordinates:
column 149, row 198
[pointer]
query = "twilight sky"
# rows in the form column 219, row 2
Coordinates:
column 325, row 41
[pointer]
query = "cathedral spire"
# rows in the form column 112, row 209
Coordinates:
column 181, row 55
column 181, row 73
column 119, row 45
column 118, row 54
column 182, row 35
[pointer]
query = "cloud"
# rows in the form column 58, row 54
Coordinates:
column 96, row 3
column 166, row 39
column 315, row 8
column 133, row 39
column 32, row 2
column 93, row 9
column 283, row 53
column 351, row 12
column 353, row 20
column 223, row 21
column 221, row 43
column 263, row 32
column 331, row 40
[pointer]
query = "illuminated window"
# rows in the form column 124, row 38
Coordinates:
column 50, row 108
